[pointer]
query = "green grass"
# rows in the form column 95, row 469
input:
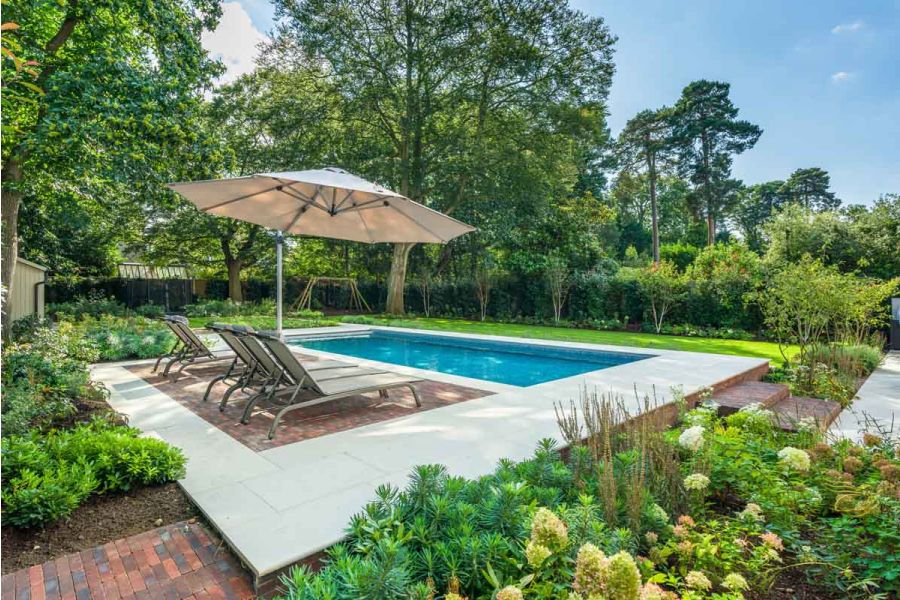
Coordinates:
column 262, row 322
column 755, row 349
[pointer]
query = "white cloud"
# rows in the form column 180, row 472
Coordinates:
column 234, row 41
column 840, row 76
column 847, row 27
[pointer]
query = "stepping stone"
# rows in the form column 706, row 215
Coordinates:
column 790, row 411
column 736, row 397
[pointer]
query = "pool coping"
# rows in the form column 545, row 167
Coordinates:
column 279, row 506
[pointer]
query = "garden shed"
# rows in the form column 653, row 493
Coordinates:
column 27, row 296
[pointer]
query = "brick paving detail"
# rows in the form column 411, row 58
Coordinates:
column 180, row 561
column 304, row 424
column 790, row 411
column 736, row 397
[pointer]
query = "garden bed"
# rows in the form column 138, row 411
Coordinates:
column 100, row 520
column 792, row 584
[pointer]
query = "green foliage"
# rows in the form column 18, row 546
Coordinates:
column 708, row 135
column 722, row 333
column 834, row 506
column 94, row 304
column 809, row 188
column 47, row 476
column 229, row 308
column 857, row 239
column 683, row 255
column 45, row 379
column 662, row 286
column 117, row 118
column 118, row 338
column 719, row 284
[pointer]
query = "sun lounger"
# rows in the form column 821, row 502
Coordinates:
column 325, row 383
column 266, row 377
column 242, row 371
column 189, row 349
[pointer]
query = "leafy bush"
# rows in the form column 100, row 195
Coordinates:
column 47, row 476
column 835, row 507
column 119, row 338
column 94, row 304
column 228, row 308
column 150, row 311
column 723, row 333
column 46, row 379
column 683, row 255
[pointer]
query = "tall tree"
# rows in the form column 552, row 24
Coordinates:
column 272, row 117
column 756, row 205
column 119, row 85
column 709, row 134
column 810, row 188
column 436, row 81
column 646, row 144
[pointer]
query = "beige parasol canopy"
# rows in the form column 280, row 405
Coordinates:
column 329, row 203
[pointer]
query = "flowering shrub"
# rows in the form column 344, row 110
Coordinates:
column 540, row 529
column 796, row 488
column 691, row 438
column 696, row 482
column 794, row 458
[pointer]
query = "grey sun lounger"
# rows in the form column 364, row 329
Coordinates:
column 243, row 372
column 265, row 376
column 325, row 383
column 189, row 349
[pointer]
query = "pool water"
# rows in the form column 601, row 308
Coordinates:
column 519, row 364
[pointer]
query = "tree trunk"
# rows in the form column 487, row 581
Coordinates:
column 11, row 198
column 654, row 215
column 710, row 228
column 397, row 279
column 235, row 293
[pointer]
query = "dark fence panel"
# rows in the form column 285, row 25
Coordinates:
column 171, row 294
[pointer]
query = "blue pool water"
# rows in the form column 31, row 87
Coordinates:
column 503, row 362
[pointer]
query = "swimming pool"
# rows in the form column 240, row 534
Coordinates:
column 520, row 364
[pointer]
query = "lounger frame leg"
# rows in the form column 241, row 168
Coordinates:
column 268, row 391
column 299, row 405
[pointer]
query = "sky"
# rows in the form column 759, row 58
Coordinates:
column 822, row 78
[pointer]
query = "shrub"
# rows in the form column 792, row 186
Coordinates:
column 47, row 476
column 119, row 338
column 150, row 311
column 94, row 304
column 662, row 286
column 46, row 379
column 228, row 308
column 857, row 360
column 682, row 255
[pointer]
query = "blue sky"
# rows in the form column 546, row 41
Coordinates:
column 821, row 78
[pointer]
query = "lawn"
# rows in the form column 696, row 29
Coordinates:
column 755, row 349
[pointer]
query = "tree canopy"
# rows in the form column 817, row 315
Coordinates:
column 493, row 112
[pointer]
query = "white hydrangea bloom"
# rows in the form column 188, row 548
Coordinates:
column 692, row 438
column 794, row 458
column 696, row 481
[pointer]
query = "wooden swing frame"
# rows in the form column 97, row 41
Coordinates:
column 357, row 302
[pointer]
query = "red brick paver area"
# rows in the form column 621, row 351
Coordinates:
column 178, row 561
column 299, row 425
